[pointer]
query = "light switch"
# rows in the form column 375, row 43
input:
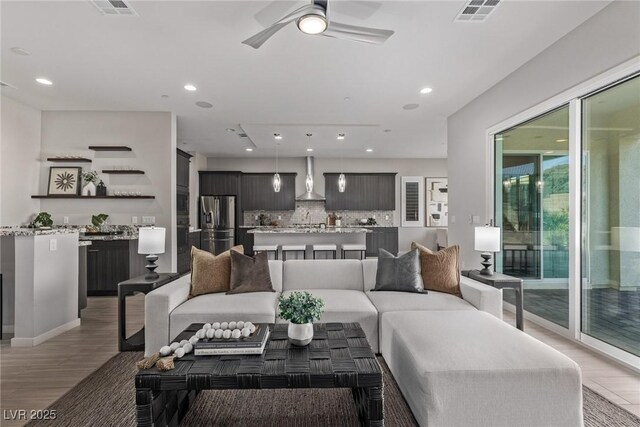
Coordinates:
column 134, row 220
column 453, row 219
column 53, row 245
column 148, row 219
column 65, row 219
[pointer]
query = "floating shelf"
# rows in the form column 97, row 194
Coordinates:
column 123, row 171
column 64, row 196
column 109, row 148
column 69, row 159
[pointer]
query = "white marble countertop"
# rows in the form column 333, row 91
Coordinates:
column 307, row 230
column 24, row 231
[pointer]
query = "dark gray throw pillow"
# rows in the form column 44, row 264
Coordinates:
column 400, row 274
column 250, row 274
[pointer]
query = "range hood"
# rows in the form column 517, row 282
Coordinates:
column 309, row 195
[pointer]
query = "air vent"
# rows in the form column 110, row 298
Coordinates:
column 114, row 7
column 476, row 10
column 242, row 135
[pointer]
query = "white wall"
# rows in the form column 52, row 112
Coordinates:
column 19, row 168
column 151, row 135
column 404, row 167
column 604, row 41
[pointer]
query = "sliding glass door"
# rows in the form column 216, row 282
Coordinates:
column 611, row 216
column 532, row 208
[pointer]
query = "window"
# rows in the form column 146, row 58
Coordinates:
column 412, row 201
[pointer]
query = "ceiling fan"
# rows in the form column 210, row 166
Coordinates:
column 314, row 19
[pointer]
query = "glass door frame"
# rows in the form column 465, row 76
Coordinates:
column 573, row 97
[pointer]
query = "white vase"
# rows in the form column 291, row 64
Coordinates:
column 300, row 333
column 89, row 189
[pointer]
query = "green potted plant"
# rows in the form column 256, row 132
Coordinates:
column 42, row 220
column 90, row 179
column 97, row 222
column 301, row 309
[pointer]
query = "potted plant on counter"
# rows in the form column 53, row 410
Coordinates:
column 42, row 220
column 301, row 309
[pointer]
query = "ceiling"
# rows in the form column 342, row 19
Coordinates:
column 293, row 85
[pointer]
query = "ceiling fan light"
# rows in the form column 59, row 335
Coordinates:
column 342, row 183
column 277, row 182
column 312, row 24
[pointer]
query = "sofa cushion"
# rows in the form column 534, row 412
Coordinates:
column 210, row 273
column 398, row 273
column 343, row 305
column 440, row 270
column 323, row 274
column 250, row 274
column 432, row 301
column 256, row 307
column 466, row 368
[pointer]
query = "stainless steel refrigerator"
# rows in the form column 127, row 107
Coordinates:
column 218, row 223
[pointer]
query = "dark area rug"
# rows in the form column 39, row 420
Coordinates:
column 107, row 398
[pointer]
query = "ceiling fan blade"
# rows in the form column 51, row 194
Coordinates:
column 358, row 34
column 273, row 11
column 258, row 40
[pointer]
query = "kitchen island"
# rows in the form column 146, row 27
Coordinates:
column 308, row 236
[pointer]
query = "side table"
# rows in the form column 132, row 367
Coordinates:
column 126, row 289
column 502, row 281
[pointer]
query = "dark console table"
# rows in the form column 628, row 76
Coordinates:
column 339, row 356
column 126, row 289
column 502, row 281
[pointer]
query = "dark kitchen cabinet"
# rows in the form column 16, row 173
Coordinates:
column 110, row 262
column 182, row 168
column 382, row 237
column 216, row 183
column 364, row 192
column 195, row 239
column 246, row 240
column 257, row 192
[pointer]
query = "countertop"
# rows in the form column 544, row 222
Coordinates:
column 24, row 231
column 307, row 230
column 315, row 226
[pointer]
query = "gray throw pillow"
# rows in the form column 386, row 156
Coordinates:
column 400, row 274
column 250, row 274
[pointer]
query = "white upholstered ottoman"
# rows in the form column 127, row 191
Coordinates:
column 468, row 368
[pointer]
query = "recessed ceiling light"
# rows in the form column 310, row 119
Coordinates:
column 204, row 104
column 548, row 152
column 248, row 149
column 190, row 87
column 277, row 136
column 20, row 51
column 561, row 140
column 426, row 90
column 410, row 106
column 309, row 149
column 164, row 96
column 341, row 136
column 369, row 150
column 347, row 98
column 44, row 81
column 230, row 129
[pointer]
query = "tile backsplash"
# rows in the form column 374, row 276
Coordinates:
column 314, row 212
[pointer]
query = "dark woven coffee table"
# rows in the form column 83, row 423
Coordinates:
column 338, row 357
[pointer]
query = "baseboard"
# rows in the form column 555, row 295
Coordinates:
column 32, row 342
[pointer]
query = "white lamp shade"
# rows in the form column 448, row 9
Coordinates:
column 151, row 240
column 626, row 239
column 487, row 239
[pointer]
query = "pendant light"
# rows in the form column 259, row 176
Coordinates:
column 277, row 183
column 308, row 182
column 342, row 180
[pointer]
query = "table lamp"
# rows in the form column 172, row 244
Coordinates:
column 487, row 240
column 151, row 243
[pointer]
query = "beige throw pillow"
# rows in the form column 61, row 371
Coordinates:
column 440, row 270
column 210, row 273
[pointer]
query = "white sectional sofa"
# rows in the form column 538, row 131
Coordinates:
column 455, row 361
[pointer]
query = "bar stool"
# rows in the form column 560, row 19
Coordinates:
column 267, row 249
column 294, row 248
column 325, row 248
column 354, row 247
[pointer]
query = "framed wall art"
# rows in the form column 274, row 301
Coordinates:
column 64, row 181
column 437, row 202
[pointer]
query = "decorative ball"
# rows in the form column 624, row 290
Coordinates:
column 174, row 346
column 206, row 326
column 200, row 334
column 235, row 334
column 179, row 352
column 218, row 333
column 216, row 325
column 183, row 342
column 232, row 325
column 226, row 334
column 188, row 347
column 224, row 325
column 240, row 325
column 194, row 339
column 165, row 351
column 252, row 328
column 210, row 333
column 247, row 324
column 245, row 332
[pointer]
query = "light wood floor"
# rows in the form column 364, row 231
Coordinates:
column 33, row 378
